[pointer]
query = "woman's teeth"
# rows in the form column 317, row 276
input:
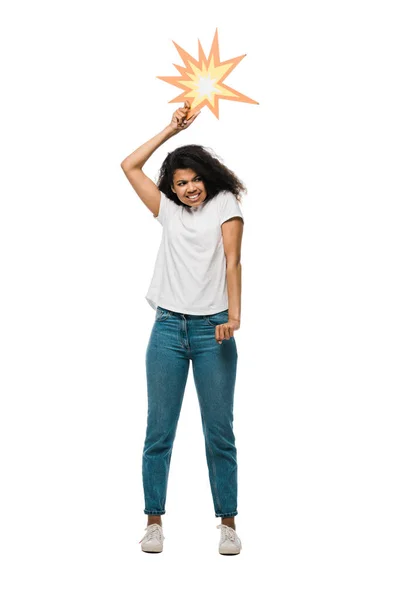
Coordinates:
column 194, row 197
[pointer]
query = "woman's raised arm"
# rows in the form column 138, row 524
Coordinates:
column 132, row 165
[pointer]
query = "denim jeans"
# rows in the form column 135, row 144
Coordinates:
column 175, row 340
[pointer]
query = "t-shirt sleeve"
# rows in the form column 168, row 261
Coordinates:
column 163, row 212
column 229, row 207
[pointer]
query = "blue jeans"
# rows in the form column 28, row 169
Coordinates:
column 176, row 339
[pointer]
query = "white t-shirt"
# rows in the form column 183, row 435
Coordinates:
column 190, row 271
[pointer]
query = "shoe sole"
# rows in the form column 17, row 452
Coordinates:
column 230, row 553
column 152, row 549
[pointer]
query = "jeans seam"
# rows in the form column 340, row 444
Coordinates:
column 214, row 482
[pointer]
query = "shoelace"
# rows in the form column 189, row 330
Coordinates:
column 230, row 533
column 152, row 531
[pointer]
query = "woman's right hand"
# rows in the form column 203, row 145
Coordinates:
column 179, row 119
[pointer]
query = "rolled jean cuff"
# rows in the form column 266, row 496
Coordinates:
column 230, row 514
column 154, row 512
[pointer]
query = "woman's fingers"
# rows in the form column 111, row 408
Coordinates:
column 184, row 110
column 180, row 119
column 187, row 122
column 223, row 332
column 180, row 114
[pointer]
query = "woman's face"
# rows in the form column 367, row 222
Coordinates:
column 189, row 187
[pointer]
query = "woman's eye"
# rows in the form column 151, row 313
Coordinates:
column 184, row 182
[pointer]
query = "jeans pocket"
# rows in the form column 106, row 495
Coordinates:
column 217, row 318
column 162, row 314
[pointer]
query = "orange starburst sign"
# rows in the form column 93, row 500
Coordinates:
column 202, row 79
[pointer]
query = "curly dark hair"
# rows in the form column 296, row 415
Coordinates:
column 216, row 176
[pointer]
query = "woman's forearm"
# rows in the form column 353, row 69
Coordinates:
column 137, row 159
column 234, row 287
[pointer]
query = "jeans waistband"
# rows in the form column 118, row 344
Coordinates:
column 188, row 315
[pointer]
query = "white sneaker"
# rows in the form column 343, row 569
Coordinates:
column 229, row 542
column 153, row 538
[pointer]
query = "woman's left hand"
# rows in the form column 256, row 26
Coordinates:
column 225, row 331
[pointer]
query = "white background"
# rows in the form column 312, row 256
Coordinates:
column 317, row 392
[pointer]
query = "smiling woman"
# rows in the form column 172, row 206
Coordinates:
column 196, row 293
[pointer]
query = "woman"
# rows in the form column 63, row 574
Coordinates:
column 196, row 276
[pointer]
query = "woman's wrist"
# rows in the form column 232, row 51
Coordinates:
column 233, row 318
column 171, row 130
